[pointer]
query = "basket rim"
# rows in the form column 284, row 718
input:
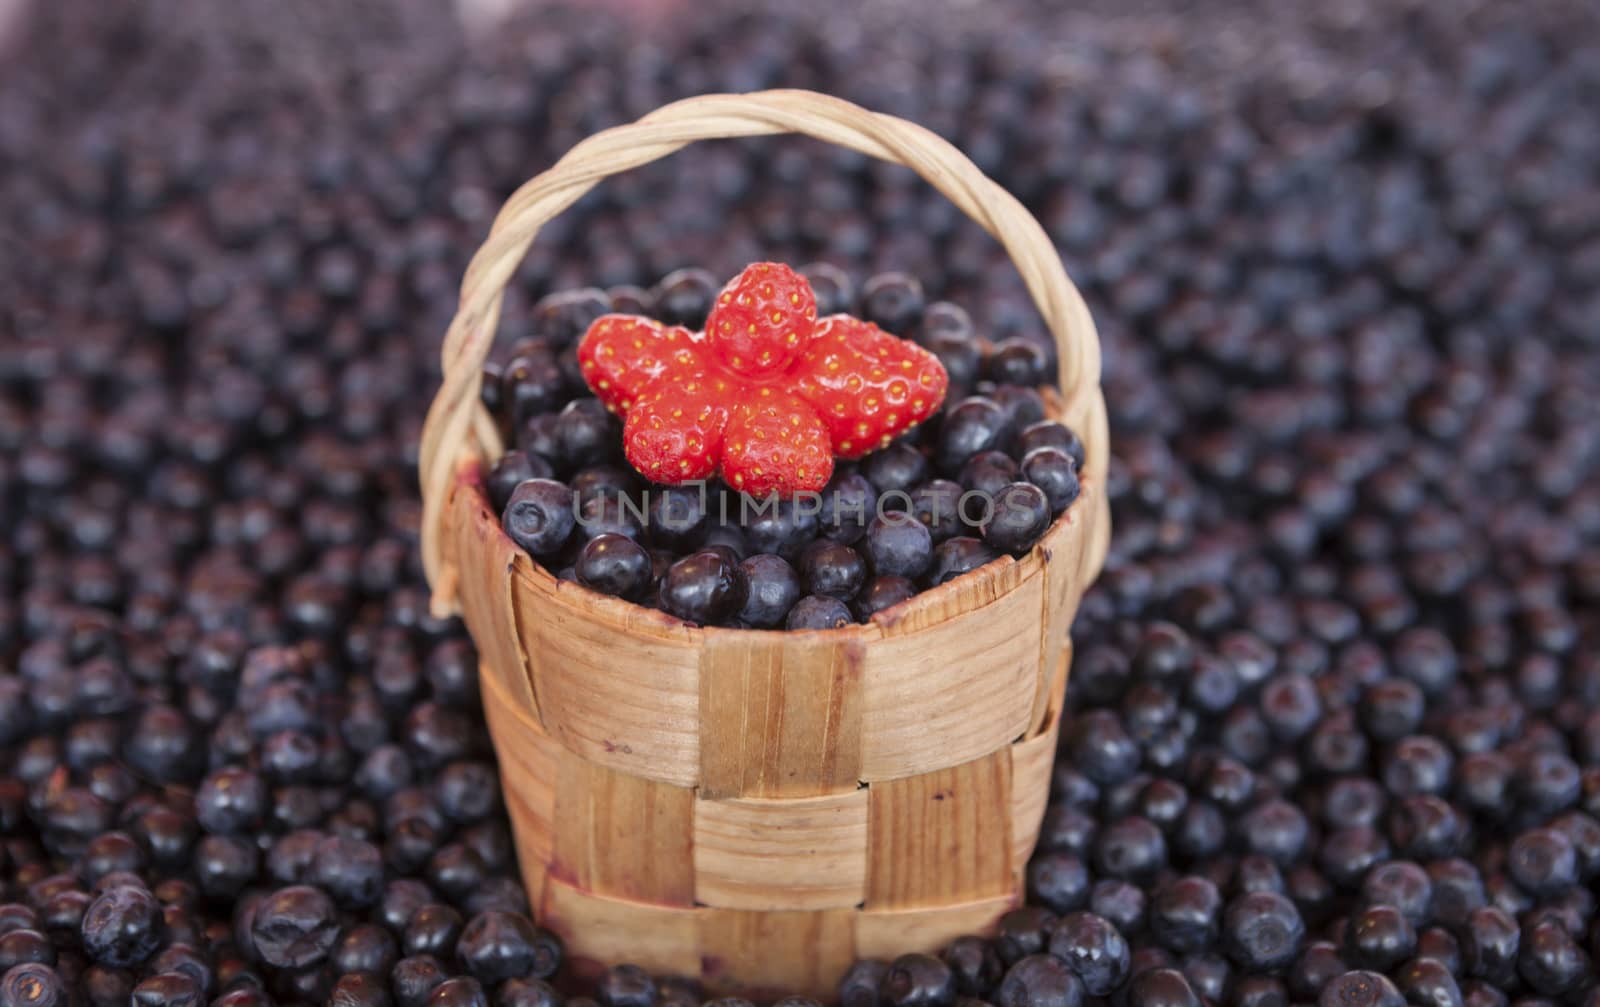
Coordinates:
column 1003, row 575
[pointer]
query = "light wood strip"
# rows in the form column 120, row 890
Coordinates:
column 1032, row 762
column 806, row 853
column 623, row 837
column 741, row 952
column 487, row 561
column 942, row 837
column 598, row 932
column 618, row 684
column 957, row 687
column 888, row 934
column 780, row 714
column 530, row 765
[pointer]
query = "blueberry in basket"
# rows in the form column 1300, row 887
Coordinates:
column 774, row 469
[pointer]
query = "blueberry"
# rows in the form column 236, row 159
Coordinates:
column 531, row 385
column 678, row 517
column 959, row 555
column 917, row 980
column 1054, row 472
column 832, row 286
column 684, row 297
column 413, row 979
column 882, row 593
column 898, row 546
column 168, row 989
column 1184, row 915
column 849, row 502
column 1021, row 514
column 971, row 427
column 21, row 946
column 704, row 587
column 539, row 516
column 359, row 990
column 32, row 985
column 1094, row 950
column 818, row 612
column 1379, row 938
column 1058, row 880
column 461, row 991
column 937, row 504
column 1360, row 989
column 614, row 565
column 1425, row 981
column 974, row 965
column 496, row 946
column 894, row 301
column 987, row 473
column 610, row 515
column 1038, row 980
column 1018, row 361
column 1161, row 988
column 894, row 472
column 1490, row 941
column 1402, row 885
column 774, row 587
column 367, row 947
column 350, row 870
column 831, row 569
column 858, row 987
column 1549, row 961
column 529, row 992
column 1051, row 434
column 779, row 526
column 1263, row 931
column 295, row 927
column 122, row 926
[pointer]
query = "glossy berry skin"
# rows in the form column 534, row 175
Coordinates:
column 1550, row 961
column 1360, row 989
column 1059, row 881
column 1093, row 949
column 988, row 472
column 832, row 569
column 970, row 428
column 1379, row 938
column 894, row 301
column 899, row 546
column 974, row 964
column 615, row 565
column 1021, row 515
column 295, row 927
column 413, row 979
column 1543, row 862
column 684, row 297
column 526, row 992
column 678, row 517
column 849, row 502
column 956, row 556
column 1184, row 914
column 1263, row 932
column 1425, row 981
column 539, row 516
column 1040, row 980
column 774, row 587
column 1053, row 471
column 32, row 985
column 122, row 926
column 496, row 946
column 917, row 980
column 1051, row 434
column 704, row 587
column 1162, row 988
column 881, row 593
column 818, row 612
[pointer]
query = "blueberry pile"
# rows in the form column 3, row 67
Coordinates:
column 984, row 478
column 1331, row 735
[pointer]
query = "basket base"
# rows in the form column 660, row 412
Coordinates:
column 730, row 951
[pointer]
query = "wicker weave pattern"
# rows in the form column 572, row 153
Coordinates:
column 758, row 809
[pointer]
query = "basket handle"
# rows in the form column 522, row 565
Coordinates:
column 457, row 421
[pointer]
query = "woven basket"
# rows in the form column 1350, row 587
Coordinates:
column 758, row 808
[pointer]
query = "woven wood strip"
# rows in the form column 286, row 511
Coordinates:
column 942, row 837
column 457, row 424
column 780, row 715
column 1032, row 762
column 806, row 853
column 488, row 561
column 600, row 931
column 961, row 688
column 738, row 951
column 890, row 933
column 622, row 836
column 623, row 691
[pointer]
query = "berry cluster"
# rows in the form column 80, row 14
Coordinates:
column 983, row 478
column 1340, row 667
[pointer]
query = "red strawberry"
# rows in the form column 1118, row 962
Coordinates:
column 674, row 432
column 869, row 386
column 762, row 320
column 776, row 443
column 621, row 355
